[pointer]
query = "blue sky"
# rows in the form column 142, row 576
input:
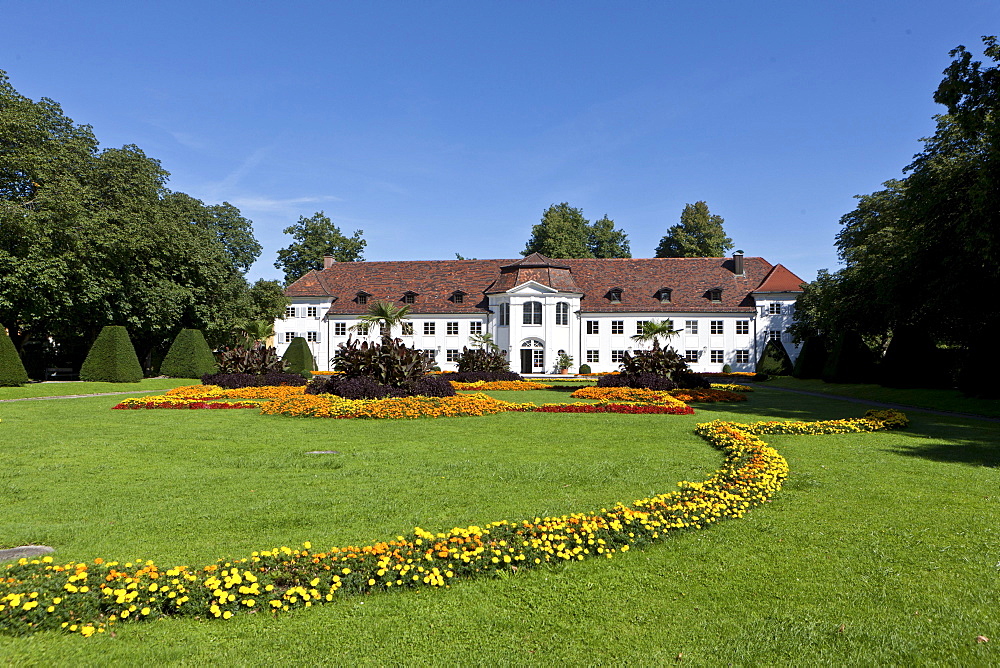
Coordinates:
column 448, row 127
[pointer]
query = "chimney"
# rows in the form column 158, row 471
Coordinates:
column 738, row 263
column 327, row 261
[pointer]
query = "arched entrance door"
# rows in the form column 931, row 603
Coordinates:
column 532, row 356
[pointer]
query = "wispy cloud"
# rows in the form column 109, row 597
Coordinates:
column 278, row 205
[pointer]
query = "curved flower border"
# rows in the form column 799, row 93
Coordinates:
column 91, row 598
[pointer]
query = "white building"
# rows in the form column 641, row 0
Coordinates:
column 535, row 308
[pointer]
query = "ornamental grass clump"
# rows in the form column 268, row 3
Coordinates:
column 112, row 358
column 189, row 356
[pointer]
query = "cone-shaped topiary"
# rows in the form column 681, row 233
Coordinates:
column 912, row 360
column 811, row 359
column 112, row 358
column 189, row 356
column 12, row 373
column 298, row 358
column 850, row 361
column 774, row 360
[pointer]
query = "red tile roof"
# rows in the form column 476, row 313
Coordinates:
column 780, row 279
column 435, row 281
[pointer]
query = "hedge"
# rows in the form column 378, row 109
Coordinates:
column 189, row 356
column 112, row 358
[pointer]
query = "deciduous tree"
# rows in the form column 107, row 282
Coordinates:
column 315, row 237
column 699, row 234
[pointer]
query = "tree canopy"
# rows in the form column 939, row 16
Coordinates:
column 923, row 251
column 565, row 233
column 93, row 237
column 315, row 237
column 699, row 234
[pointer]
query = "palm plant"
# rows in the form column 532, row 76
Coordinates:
column 652, row 330
column 483, row 341
column 385, row 316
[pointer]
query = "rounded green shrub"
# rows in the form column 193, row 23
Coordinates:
column 189, row 356
column 774, row 360
column 811, row 359
column 584, row 368
column 298, row 358
column 112, row 358
column 12, row 373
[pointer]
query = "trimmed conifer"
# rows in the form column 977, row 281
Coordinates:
column 774, row 360
column 12, row 373
column 850, row 361
column 811, row 359
column 298, row 358
column 189, row 356
column 112, row 358
column 911, row 360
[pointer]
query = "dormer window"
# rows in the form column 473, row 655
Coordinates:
column 409, row 297
column 715, row 295
column 458, row 297
column 615, row 295
column 664, row 295
column 362, row 298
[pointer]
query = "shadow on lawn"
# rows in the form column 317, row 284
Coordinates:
column 937, row 438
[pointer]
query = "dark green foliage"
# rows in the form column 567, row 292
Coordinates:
column 664, row 362
column 585, row 368
column 811, row 359
column 648, row 381
column 564, row 232
column 774, row 360
column 298, row 358
column 483, row 359
column 390, row 362
column 235, row 381
column 364, row 387
column 912, row 360
column 726, row 368
column 256, row 359
column 699, row 234
column 315, row 237
column 488, row 376
column 112, row 358
column 189, row 356
column 973, row 379
column 12, row 373
column 850, row 361
column 892, row 419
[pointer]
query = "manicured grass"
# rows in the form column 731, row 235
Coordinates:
column 881, row 548
column 941, row 400
column 61, row 389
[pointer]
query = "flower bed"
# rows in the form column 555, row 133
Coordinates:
column 630, row 409
column 707, row 396
column 731, row 387
column 212, row 396
column 320, row 405
column 89, row 599
column 627, row 394
column 495, row 385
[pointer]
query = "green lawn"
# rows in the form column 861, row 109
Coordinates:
column 941, row 400
column 880, row 549
column 61, row 389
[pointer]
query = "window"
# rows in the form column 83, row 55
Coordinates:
column 640, row 325
column 593, row 326
column 340, row 329
column 742, row 356
column 312, row 311
column 362, row 329
column 774, row 335
column 593, row 356
column 691, row 326
column 312, row 337
column 538, row 358
column 407, row 329
column 532, row 313
column 716, row 357
column 715, row 295
column 430, row 353
column 451, row 355
column 289, row 311
column 690, row 355
column 451, row 329
column 458, row 297
column 617, row 356
column 615, row 295
column 617, row 327
column 475, row 328
column 504, row 315
column 742, row 326
column 362, row 298
column 428, row 328
column 289, row 336
column 663, row 294
column 774, row 308
column 409, row 298
column 716, row 327
column 562, row 313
